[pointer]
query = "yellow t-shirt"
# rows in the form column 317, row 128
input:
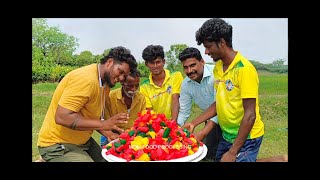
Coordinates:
column 117, row 105
column 79, row 91
column 239, row 81
column 160, row 98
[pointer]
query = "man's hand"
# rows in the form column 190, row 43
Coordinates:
column 110, row 124
column 199, row 135
column 110, row 135
column 228, row 157
column 190, row 127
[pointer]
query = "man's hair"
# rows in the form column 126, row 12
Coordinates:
column 190, row 52
column 134, row 73
column 152, row 52
column 119, row 55
column 213, row 30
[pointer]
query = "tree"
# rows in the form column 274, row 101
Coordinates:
column 53, row 43
column 278, row 62
column 172, row 57
column 106, row 52
column 143, row 69
column 85, row 58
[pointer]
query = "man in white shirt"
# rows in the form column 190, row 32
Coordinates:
column 198, row 87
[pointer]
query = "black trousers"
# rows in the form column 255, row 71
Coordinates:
column 212, row 141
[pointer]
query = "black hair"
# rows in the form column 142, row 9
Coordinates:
column 134, row 73
column 152, row 52
column 213, row 30
column 190, row 52
column 119, row 55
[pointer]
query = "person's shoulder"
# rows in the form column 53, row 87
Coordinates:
column 209, row 67
column 176, row 74
column 114, row 91
column 84, row 75
column 145, row 82
column 139, row 95
column 186, row 81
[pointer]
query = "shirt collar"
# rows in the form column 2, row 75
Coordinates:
column 119, row 93
column 99, row 77
column 165, row 79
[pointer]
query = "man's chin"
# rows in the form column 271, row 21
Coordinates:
column 111, row 85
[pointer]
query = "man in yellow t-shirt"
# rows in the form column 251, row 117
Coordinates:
column 126, row 99
column 77, row 108
column 162, row 89
column 237, row 104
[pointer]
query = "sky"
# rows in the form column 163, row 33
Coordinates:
column 260, row 39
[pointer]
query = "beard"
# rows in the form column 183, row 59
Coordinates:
column 107, row 79
column 129, row 94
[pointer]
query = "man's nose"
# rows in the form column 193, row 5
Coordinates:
column 122, row 78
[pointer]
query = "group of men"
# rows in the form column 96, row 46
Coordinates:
column 227, row 93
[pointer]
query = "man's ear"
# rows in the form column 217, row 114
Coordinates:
column 202, row 61
column 109, row 62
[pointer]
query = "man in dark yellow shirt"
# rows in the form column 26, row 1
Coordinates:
column 126, row 99
column 77, row 109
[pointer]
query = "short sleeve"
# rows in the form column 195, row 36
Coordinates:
column 177, row 83
column 248, row 82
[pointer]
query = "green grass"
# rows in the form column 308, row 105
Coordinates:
column 273, row 97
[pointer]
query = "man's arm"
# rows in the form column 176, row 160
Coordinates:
column 246, row 125
column 76, row 121
column 205, row 130
column 175, row 107
column 185, row 103
column 208, row 114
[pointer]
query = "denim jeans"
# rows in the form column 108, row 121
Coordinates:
column 248, row 152
column 103, row 140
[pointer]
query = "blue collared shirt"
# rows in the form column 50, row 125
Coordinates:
column 203, row 94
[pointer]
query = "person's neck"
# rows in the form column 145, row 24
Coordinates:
column 159, row 78
column 127, row 100
column 230, row 54
column 200, row 78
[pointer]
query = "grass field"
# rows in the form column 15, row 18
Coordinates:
column 273, row 96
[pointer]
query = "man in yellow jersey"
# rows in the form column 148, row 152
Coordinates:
column 77, row 109
column 125, row 100
column 237, row 104
column 162, row 89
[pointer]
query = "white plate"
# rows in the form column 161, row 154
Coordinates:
column 200, row 154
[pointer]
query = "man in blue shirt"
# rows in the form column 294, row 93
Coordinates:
column 198, row 86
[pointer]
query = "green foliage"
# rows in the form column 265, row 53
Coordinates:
column 106, row 52
column 276, row 66
column 144, row 70
column 85, row 58
column 58, row 72
column 97, row 58
column 50, row 47
column 172, row 57
column 49, row 73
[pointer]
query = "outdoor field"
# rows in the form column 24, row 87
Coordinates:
column 273, row 97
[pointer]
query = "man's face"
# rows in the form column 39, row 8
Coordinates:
column 156, row 66
column 116, row 73
column 212, row 50
column 193, row 68
column 130, row 86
